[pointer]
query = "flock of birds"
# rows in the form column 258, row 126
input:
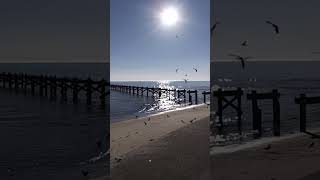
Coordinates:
column 243, row 59
column 186, row 75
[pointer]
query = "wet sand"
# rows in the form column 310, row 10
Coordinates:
column 295, row 157
column 129, row 135
column 180, row 154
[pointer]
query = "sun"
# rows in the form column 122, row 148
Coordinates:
column 169, row 16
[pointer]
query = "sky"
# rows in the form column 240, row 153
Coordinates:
column 54, row 31
column 245, row 20
column 143, row 48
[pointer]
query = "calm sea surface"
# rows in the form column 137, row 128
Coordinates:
column 125, row 106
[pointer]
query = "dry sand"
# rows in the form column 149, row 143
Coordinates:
column 289, row 158
column 181, row 154
column 129, row 135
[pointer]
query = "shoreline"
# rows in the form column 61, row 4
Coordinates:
column 131, row 134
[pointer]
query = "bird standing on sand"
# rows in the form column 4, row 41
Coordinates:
column 268, row 147
column 275, row 27
column 242, row 59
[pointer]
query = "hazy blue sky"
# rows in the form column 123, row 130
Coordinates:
column 53, row 30
column 142, row 48
column 245, row 20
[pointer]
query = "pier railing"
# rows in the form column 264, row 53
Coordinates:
column 54, row 87
column 180, row 94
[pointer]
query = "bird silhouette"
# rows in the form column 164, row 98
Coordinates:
column 275, row 27
column 214, row 27
column 117, row 159
column 186, row 75
column 311, row 145
column 244, row 43
column 168, row 116
column 149, row 119
column 145, row 123
column 242, row 59
column 84, row 172
column 268, row 147
column 195, row 69
column 191, row 121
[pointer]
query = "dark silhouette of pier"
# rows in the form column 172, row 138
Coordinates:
column 180, row 94
column 54, row 87
column 232, row 99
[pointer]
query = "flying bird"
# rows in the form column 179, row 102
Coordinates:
column 84, row 173
column 311, row 145
column 214, row 27
column 195, row 69
column 117, row 159
column 185, row 80
column 242, row 59
column 268, row 147
column 275, row 27
column 244, row 43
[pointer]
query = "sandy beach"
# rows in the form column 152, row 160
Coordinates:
column 129, row 135
column 181, row 154
column 287, row 158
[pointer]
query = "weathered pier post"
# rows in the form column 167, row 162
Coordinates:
column 302, row 101
column 89, row 91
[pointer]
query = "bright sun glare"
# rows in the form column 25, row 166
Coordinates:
column 169, row 16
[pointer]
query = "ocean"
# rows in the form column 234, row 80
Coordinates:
column 126, row 106
column 290, row 78
column 43, row 139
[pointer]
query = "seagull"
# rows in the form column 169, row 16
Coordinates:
column 84, row 173
column 311, row 145
column 276, row 27
column 214, row 27
column 195, row 69
column 117, row 159
column 268, row 147
column 242, row 59
column 244, row 43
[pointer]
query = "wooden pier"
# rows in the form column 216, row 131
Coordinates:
column 180, row 94
column 232, row 99
column 54, row 87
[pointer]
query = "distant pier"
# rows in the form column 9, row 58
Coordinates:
column 55, row 87
column 180, row 94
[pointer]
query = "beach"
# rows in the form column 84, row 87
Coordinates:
column 129, row 135
column 179, row 154
column 290, row 157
